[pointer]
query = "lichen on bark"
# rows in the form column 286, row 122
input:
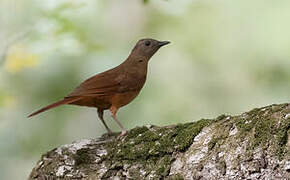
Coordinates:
column 254, row 144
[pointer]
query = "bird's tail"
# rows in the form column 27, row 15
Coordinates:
column 53, row 105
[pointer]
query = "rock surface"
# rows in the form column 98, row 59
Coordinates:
column 253, row 145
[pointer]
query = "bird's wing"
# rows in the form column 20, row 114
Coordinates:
column 103, row 84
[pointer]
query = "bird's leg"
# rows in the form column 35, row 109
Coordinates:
column 101, row 116
column 114, row 110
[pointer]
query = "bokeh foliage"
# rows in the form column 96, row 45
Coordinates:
column 225, row 57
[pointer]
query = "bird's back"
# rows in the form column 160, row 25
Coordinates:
column 117, row 86
column 100, row 84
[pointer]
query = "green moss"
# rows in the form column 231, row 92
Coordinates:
column 262, row 125
column 136, row 131
column 175, row 177
column 282, row 137
column 212, row 143
column 142, row 143
column 244, row 125
column 152, row 148
column 222, row 167
column 221, row 128
column 256, row 123
column 221, row 117
column 164, row 166
column 81, row 157
column 187, row 132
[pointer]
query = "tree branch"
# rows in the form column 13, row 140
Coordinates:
column 252, row 145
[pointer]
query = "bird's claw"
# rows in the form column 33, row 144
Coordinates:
column 110, row 134
column 124, row 133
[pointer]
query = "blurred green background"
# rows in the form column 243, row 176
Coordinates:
column 225, row 57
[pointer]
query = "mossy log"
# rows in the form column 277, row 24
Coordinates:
column 253, row 145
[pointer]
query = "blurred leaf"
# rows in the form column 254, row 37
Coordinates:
column 12, row 40
column 18, row 58
column 145, row 1
column 2, row 57
column 271, row 74
column 6, row 99
column 68, row 25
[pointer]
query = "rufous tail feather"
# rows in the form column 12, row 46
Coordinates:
column 53, row 105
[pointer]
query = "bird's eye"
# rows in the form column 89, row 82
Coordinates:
column 147, row 43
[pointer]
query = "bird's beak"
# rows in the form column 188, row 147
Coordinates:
column 163, row 43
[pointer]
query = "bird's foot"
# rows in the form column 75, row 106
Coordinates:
column 110, row 134
column 124, row 133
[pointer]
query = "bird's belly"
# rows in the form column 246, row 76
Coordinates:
column 98, row 102
column 122, row 99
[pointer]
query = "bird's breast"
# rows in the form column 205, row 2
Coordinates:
column 121, row 99
column 129, row 90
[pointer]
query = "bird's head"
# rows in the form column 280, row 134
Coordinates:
column 146, row 48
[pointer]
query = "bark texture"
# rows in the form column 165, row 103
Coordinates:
column 253, row 145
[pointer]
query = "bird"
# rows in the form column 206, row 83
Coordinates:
column 116, row 87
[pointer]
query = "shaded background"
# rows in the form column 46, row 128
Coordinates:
column 225, row 57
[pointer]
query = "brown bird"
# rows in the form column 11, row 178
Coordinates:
column 116, row 87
